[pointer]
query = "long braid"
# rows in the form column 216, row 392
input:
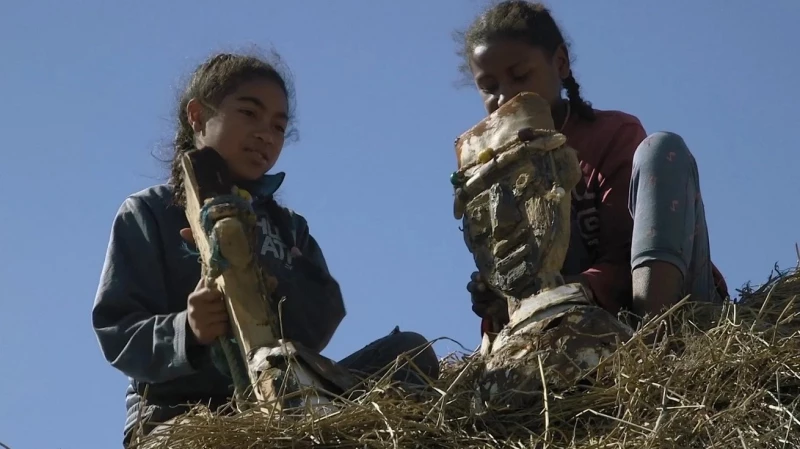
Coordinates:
column 579, row 105
column 184, row 141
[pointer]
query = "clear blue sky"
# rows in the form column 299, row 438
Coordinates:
column 88, row 94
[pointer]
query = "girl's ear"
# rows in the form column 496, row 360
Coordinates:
column 195, row 113
column 561, row 62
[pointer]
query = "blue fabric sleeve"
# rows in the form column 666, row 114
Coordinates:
column 131, row 319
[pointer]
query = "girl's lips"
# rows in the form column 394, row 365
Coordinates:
column 261, row 155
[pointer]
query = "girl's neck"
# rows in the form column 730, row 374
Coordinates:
column 561, row 113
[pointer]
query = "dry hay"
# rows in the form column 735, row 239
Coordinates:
column 716, row 377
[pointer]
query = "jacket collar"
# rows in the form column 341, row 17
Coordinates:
column 266, row 186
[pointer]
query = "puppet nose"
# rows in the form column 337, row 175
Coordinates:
column 503, row 209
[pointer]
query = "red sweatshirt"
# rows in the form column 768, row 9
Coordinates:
column 605, row 150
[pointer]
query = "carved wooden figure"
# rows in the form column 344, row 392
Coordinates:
column 223, row 225
column 513, row 194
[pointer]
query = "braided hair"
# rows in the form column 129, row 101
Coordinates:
column 211, row 82
column 529, row 22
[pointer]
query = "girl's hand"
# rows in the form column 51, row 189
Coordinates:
column 207, row 314
column 186, row 234
column 486, row 303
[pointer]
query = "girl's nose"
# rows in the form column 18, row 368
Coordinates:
column 265, row 135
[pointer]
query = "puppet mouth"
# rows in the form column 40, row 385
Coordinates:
column 512, row 260
column 502, row 248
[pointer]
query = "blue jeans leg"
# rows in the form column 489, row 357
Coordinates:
column 669, row 221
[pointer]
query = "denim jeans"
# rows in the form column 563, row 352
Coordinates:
column 669, row 219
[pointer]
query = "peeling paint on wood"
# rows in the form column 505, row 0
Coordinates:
column 275, row 368
column 516, row 174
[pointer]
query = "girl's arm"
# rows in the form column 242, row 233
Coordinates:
column 130, row 317
column 316, row 315
column 609, row 277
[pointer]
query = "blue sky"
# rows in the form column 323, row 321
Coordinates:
column 88, row 96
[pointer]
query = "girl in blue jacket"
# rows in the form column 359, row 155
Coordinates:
column 154, row 318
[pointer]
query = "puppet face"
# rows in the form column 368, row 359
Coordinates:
column 512, row 192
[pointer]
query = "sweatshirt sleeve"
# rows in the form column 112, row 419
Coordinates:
column 609, row 277
column 136, row 333
column 317, row 313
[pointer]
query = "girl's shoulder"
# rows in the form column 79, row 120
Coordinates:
column 616, row 117
column 151, row 208
column 606, row 124
column 157, row 195
column 611, row 135
column 156, row 200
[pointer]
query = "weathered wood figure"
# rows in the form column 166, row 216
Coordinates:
column 513, row 193
column 266, row 367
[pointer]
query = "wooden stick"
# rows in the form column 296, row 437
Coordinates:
column 272, row 363
column 242, row 281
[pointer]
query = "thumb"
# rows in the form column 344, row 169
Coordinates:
column 186, row 234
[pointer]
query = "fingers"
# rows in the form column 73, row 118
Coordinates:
column 207, row 313
column 202, row 287
column 481, row 299
column 476, row 287
column 214, row 318
column 186, row 234
column 209, row 332
column 479, row 309
column 208, row 317
column 476, row 284
column 210, row 308
column 206, row 299
column 206, row 294
column 218, row 329
column 210, row 311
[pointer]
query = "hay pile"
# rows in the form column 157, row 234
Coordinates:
column 716, row 377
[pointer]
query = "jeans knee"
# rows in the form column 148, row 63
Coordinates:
column 408, row 339
column 419, row 349
column 661, row 148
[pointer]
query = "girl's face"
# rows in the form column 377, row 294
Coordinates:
column 247, row 128
column 504, row 68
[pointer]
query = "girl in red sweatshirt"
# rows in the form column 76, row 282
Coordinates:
column 639, row 235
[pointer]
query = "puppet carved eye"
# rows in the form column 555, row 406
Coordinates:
column 480, row 223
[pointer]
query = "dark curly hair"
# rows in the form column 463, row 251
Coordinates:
column 210, row 83
column 529, row 22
